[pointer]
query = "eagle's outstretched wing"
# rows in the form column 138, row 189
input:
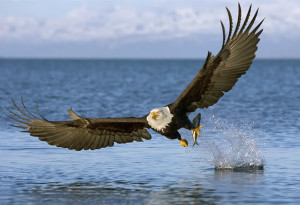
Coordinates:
column 82, row 133
column 219, row 73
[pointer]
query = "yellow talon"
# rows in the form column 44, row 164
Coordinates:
column 184, row 143
column 197, row 130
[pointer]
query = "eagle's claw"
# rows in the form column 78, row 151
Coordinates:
column 197, row 130
column 184, row 143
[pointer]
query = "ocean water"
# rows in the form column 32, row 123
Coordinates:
column 255, row 124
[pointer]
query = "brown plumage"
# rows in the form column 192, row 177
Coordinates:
column 221, row 72
column 82, row 133
column 218, row 75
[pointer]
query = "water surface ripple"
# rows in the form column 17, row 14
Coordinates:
column 258, row 119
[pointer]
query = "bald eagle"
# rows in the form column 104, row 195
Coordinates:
column 218, row 75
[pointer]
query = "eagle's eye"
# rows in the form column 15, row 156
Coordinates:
column 155, row 115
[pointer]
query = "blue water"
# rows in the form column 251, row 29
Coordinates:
column 257, row 122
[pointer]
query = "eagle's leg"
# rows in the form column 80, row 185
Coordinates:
column 176, row 135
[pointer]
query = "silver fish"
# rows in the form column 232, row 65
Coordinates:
column 195, row 138
column 196, row 123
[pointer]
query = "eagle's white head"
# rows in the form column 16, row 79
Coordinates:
column 159, row 118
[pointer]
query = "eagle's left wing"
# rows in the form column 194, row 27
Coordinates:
column 219, row 73
column 82, row 133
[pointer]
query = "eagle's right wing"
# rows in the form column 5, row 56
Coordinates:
column 219, row 73
column 82, row 133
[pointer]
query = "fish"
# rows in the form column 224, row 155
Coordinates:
column 196, row 130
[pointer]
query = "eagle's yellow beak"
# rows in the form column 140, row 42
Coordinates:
column 155, row 115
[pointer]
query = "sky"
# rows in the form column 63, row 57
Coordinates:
column 139, row 28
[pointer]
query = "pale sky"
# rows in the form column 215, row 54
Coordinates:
column 139, row 28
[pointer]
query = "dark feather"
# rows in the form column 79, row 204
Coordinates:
column 238, row 23
column 82, row 133
column 219, row 73
column 224, row 34
column 230, row 24
column 246, row 20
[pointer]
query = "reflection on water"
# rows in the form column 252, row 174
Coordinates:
column 122, row 191
column 247, row 169
column 101, row 194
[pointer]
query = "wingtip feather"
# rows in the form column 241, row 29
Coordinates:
column 230, row 24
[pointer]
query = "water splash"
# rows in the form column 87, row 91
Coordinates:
column 233, row 146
